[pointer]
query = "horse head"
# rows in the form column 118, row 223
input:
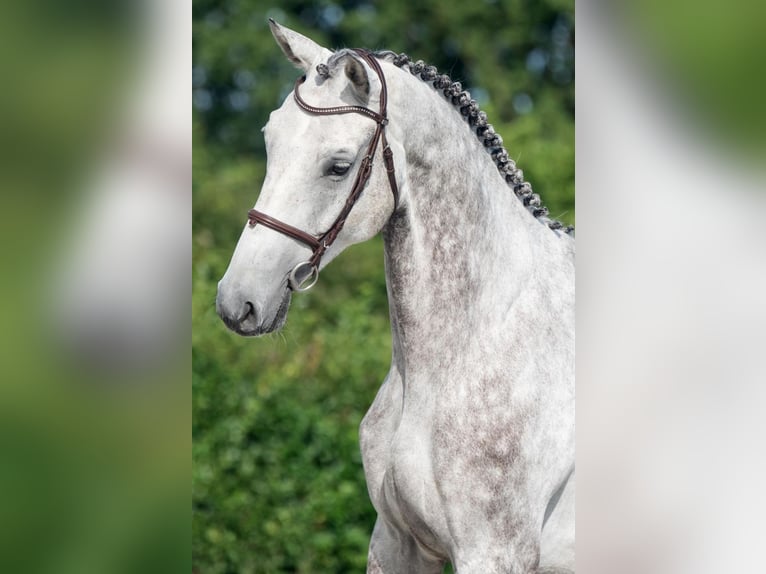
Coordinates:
column 314, row 163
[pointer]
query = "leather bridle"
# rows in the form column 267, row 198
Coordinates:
column 320, row 244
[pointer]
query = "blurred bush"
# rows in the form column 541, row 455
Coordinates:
column 278, row 484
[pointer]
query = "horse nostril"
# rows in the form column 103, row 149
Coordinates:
column 249, row 310
column 237, row 315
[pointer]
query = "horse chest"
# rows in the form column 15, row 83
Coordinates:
column 397, row 463
column 409, row 493
column 405, row 464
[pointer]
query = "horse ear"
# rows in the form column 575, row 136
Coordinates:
column 357, row 74
column 300, row 50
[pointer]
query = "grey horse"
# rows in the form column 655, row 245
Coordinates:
column 468, row 448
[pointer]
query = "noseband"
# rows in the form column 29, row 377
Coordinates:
column 320, row 244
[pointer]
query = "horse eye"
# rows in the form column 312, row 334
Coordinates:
column 340, row 168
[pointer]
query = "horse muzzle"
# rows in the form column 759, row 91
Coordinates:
column 246, row 317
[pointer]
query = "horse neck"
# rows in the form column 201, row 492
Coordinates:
column 462, row 247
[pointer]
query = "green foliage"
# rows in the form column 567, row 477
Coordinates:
column 278, row 483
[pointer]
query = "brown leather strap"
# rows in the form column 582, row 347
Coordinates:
column 334, row 111
column 388, row 160
column 321, row 244
column 254, row 216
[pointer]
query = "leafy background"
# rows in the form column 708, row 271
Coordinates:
column 278, row 484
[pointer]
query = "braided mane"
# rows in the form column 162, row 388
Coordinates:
column 461, row 99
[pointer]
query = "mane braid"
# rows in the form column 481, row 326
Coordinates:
column 469, row 109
